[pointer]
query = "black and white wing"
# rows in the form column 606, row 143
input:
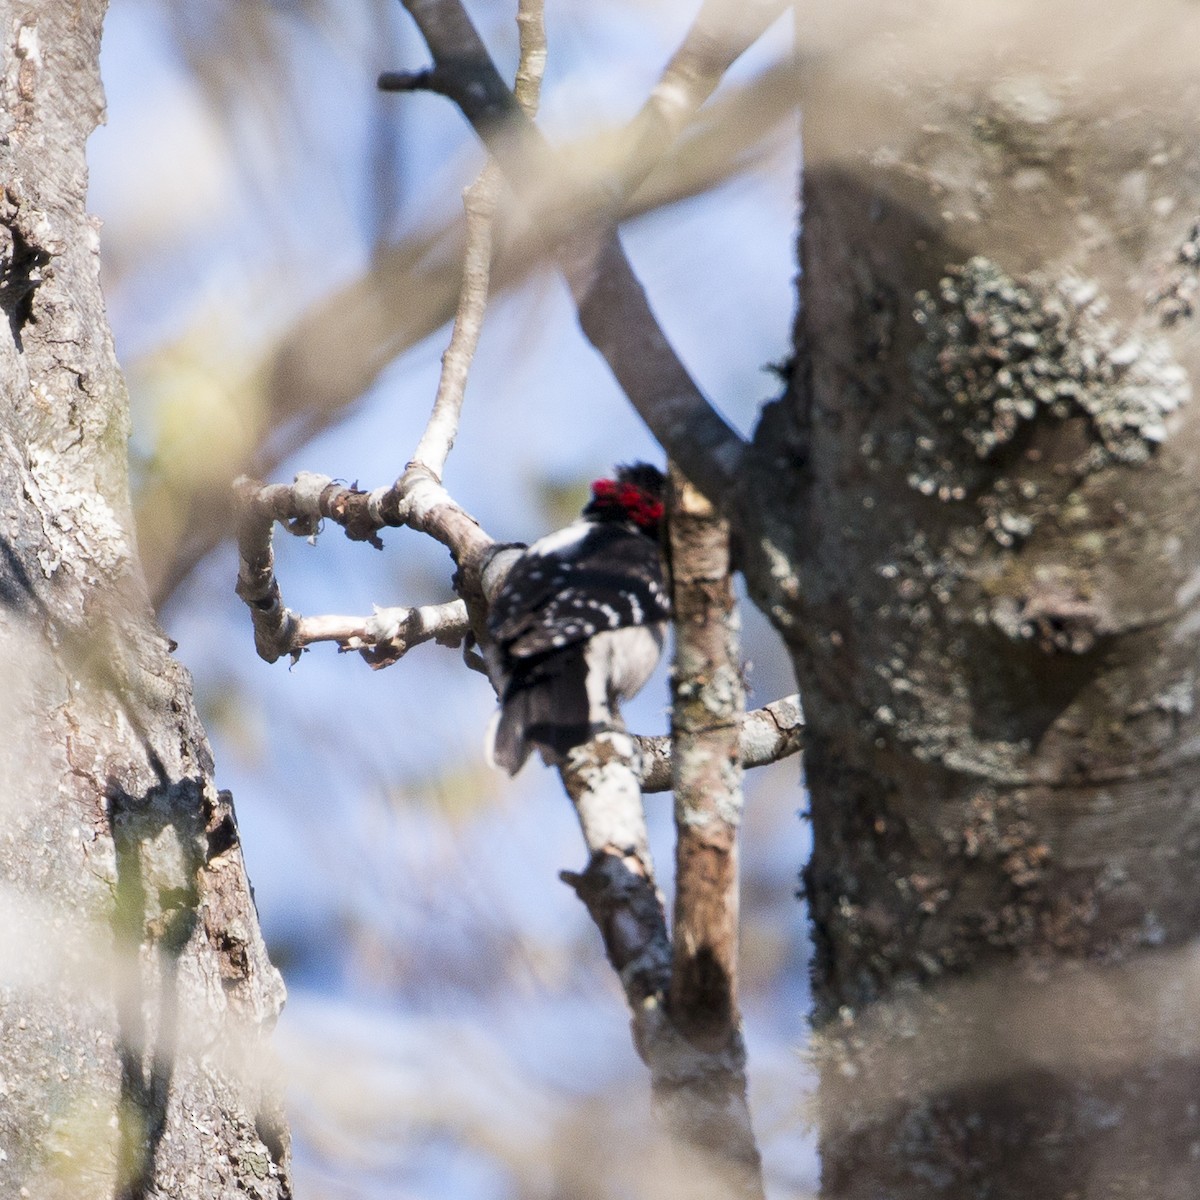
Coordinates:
column 577, row 627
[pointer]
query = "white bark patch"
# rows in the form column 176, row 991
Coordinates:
column 79, row 527
column 29, row 45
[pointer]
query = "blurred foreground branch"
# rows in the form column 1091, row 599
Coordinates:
column 311, row 374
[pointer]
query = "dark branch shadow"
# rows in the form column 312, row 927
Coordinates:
column 16, row 588
column 147, row 993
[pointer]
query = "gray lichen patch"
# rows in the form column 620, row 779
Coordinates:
column 1178, row 295
column 999, row 353
column 920, row 693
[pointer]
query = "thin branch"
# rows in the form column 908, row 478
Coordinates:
column 384, row 637
column 768, row 734
column 479, row 205
column 613, row 309
column 531, row 58
column 431, row 79
column 256, row 582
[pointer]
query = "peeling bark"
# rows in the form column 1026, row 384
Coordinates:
column 708, row 705
column 135, row 994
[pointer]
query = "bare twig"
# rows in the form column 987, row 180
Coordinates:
column 531, row 59
column 384, row 637
column 479, row 204
column 256, row 583
column 767, row 735
column 613, row 309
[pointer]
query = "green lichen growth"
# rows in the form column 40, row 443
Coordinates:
column 1000, row 353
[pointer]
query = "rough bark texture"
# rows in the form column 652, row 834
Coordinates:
column 995, row 528
column 708, row 703
column 135, row 991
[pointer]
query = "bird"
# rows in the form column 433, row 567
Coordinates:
column 579, row 622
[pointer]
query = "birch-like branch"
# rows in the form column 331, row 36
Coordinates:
column 767, row 735
column 416, row 500
column 618, row 886
column 479, row 205
column 383, row 638
column 613, row 309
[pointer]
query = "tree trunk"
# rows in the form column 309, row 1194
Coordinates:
column 993, row 608
column 135, row 992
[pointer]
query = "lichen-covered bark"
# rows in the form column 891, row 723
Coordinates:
column 707, row 706
column 996, row 553
column 135, row 992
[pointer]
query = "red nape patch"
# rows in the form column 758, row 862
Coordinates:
column 643, row 510
column 648, row 512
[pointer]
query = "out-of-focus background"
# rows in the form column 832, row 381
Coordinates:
column 279, row 248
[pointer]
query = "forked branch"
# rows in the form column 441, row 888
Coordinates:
column 613, row 309
column 416, row 500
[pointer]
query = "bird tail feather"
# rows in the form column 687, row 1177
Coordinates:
column 550, row 714
column 506, row 745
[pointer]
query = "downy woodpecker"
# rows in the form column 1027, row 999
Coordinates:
column 579, row 621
